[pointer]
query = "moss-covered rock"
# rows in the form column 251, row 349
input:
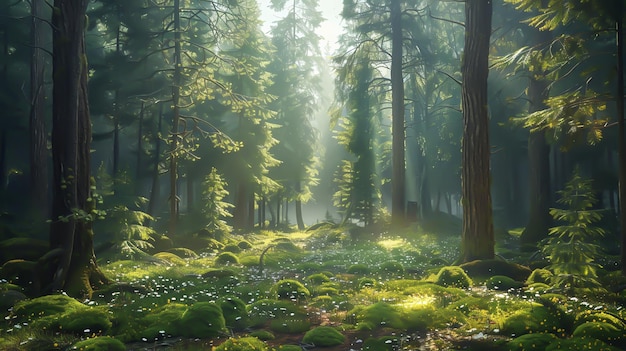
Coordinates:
column 183, row 252
column 359, row 269
column 580, row 344
column 8, row 299
column 226, row 258
column 366, row 282
column 263, row 335
column 162, row 320
column 318, row 278
column 290, row 325
column 324, row 337
column 595, row 316
column 247, row 343
column 289, row 348
column 244, row 245
column 22, row 248
column 540, row 275
column 487, row 268
column 380, row 314
column 219, row 273
column 18, row 271
column 263, row 311
column 202, row 320
column 234, row 248
column 161, row 243
column 376, row 344
column 289, row 289
column 170, row 258
column 84, row 321
column 235, row 314
column 101, row 343
column 531, row 342
column 453, row 276
column 47, row 305
column 501, row 282
column 606, row 332
column 537, row 319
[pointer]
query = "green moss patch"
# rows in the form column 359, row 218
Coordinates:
column 226, row 258
column 324, row 337
column 103, row 343
column 290, row 289
column 501, row 282
column 202, row 320
column 247, row 343
column 531, row 342
column 606, row 332
column 453, row 276
column 580, row 344
column 540, row 275
column 538, row 319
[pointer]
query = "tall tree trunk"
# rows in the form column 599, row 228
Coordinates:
column 240, row 214
column 398, row 196
column 298, row 205
column 38, row 153
column 173, row 167
column 70, row 234
column 538, row 163
column 155, row 188
column 619, row 98
column 139, row 161
column 478, row 234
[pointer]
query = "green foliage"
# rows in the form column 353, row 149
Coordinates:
column 580, row 344
column 215, row 209
column 289, row 289
column 572, row 247
column 324, row 337
column 606, row 332
column 595, row 316
column 202, row 320
column 247, row 343
column 453, row 276
column 101, row 343
column 318, row 278
column 540, row 275
column 534, row 319
column 226, row 258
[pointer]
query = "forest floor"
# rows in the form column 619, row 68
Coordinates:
column 380, row 291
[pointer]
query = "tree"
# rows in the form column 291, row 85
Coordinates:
column 477, row 240
column 71, row 236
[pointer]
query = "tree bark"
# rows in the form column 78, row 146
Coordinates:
column 298, row 204
column 478, row 234
column 619, row 99
column 37, row 128
column 173, row 167
column 538, row 167
column 398, row 196
column 70, row 231
column 155, row 189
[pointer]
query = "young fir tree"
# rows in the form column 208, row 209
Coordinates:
column 571, row 246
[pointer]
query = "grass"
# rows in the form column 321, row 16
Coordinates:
column 379, row 285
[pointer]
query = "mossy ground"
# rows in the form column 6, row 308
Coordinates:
column 379, row 292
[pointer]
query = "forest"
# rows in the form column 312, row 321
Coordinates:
column 267, row 175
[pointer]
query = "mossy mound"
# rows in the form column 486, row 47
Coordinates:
column 359, row 269
column 161, row 243
column 468, row 304
column 183, row 252
column 594, row 316
column 289, row 289
column 392, row 267
column 101, row 343
column 235, row 314
column 366, row 282
column 84, row 321
column 606, row 332
column 324, row 337
column 202, row 320
column 290, row 325
column 531, row 342
column 22, row 248
column 318, row 278
column 18, row 271
column 234, row 248
column 263, row 311
column 377, row 344
column 244, row 245
column 219, row 273
column 453, row 276
column 487, row 268
column 263, row 335
column 289, row 348
column 226, row 258
column 537, row 319
column 46, row 306
column 246, row 343
column 8, row 299
column 580, row 344
column 501, row 282
column 380, row 314
column 540, row 275
column 170, row 258
column 164, row 319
